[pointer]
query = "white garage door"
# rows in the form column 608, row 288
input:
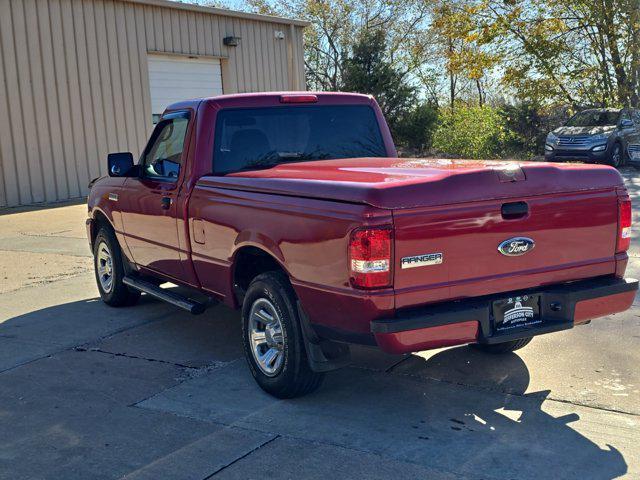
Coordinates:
column 175, row 78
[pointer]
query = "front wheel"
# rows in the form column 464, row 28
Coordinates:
column 272, row 337
column 504, row 347
column 109, row 271
column 616, row 156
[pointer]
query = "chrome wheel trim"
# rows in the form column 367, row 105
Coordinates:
column 104, row 267
column 266, row 337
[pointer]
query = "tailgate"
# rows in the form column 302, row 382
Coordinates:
column 574, row 236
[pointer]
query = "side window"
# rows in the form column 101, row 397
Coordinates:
column 625, row 116
column 163, row 156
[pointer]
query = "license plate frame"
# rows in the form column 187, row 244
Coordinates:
column 516, row 313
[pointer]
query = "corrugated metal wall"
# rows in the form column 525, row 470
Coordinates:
column 74, row 81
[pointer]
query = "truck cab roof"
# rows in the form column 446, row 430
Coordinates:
column 272, row 98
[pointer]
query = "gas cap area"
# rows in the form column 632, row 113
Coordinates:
column 510, row 172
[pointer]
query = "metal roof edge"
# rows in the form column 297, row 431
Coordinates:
column 220, row 11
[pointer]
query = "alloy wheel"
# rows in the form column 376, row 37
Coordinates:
column 266, row 337
column 104, row 267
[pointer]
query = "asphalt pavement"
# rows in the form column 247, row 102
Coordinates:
column 151, row 392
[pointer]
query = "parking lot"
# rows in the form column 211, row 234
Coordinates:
column 150, row 392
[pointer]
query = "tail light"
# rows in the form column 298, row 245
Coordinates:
column 624, row 224
column 370, row 257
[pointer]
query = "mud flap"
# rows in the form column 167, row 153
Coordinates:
column 323, row 355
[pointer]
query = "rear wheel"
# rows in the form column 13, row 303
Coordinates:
column 109, row 270
column 504, row 347
column 273, row 341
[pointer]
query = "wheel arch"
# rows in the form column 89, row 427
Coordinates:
column 248, row 261
column 251, row 260
column 99, row 220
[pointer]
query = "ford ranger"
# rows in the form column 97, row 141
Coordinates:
column 294, row 208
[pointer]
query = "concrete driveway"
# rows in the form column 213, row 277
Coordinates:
column 150, row 392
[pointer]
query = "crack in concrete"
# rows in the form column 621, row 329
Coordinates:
column 402, row 360
column 48, row 280
column 57, row 234
column 133, row 357
column 193, row 372
column 66, row 348
column 27, row 362
column 301, row 439
column 45, row 252
column 242, row 457
column 206, row 369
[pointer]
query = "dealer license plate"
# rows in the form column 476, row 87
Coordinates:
column 516, row 312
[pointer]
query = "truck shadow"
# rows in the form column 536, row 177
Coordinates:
column 445, row 415
column 479, row 411
column 458, row 411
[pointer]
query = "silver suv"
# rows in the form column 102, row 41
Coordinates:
column 596, row 135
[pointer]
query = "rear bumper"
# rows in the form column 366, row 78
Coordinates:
column 470, row 321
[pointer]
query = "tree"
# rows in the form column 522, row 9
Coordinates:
column 337, row 24
column 633, row 9
column 544, row 52
column 369, row 70
column 570, row 51
column 461, row 47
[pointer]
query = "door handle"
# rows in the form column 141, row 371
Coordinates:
column 165, row 203
column 514, row 210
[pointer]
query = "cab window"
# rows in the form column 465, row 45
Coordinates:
column 162, row 158
column 254, row 138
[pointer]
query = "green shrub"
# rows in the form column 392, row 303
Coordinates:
column 526, row 130
column 470, row 132
column 416, row 128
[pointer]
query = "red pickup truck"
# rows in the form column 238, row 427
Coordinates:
column 295, row 208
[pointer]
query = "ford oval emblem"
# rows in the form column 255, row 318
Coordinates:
column 516, row 246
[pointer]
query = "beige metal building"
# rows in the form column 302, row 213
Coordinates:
column 81, row 78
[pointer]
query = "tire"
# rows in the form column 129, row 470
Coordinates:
column 626, row 157
column 109, row 271
column 505, row 347
column 616, row 157
column 272, row 338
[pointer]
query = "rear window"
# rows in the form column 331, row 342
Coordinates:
column 255, row 138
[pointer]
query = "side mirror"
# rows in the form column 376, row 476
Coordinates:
column 120, row 164
column 626, row 123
